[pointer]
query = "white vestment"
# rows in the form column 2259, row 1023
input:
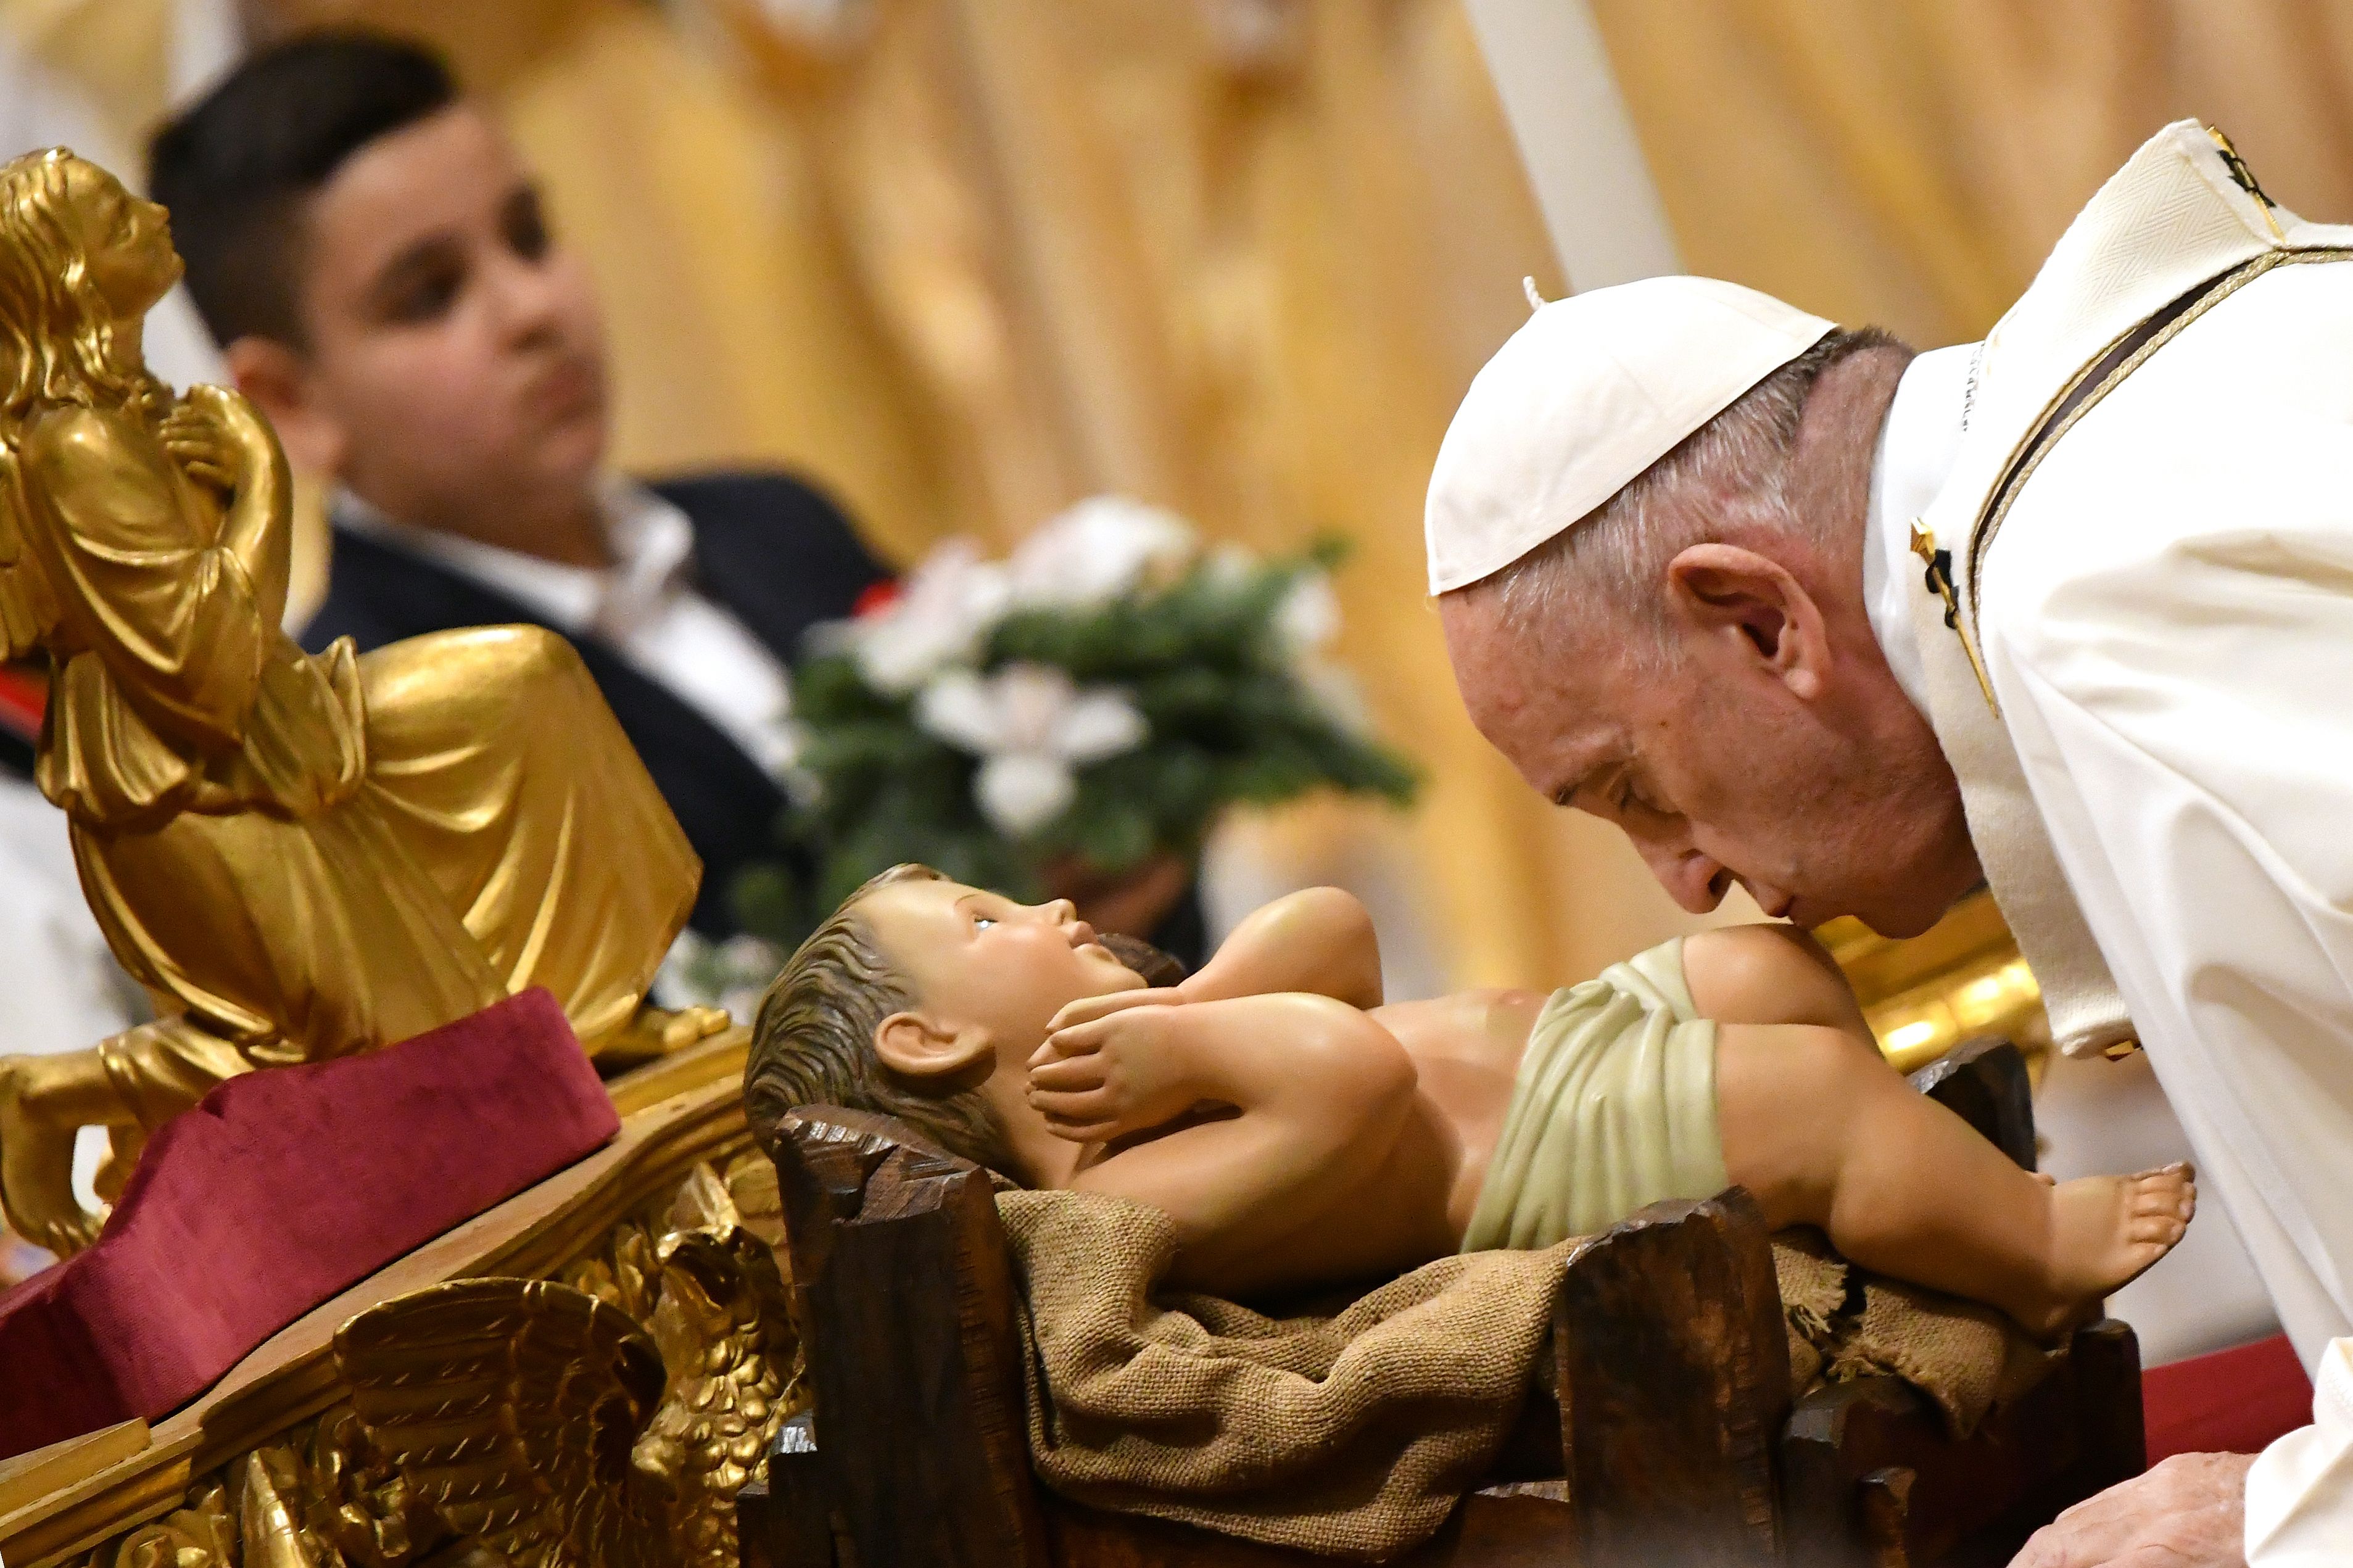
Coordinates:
column 2159, row 591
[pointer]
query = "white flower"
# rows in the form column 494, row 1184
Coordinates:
column 732, row 975
column 1096, row 551
column 948, row 605
column 1228, row 564
column 1032, row 726
column 1021, row 792
column 1309, row 616
column 1338, row 696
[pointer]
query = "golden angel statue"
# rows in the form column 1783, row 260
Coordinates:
column 299, row 858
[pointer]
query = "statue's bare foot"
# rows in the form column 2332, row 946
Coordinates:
column 2106, row 1231
column 37, row 1166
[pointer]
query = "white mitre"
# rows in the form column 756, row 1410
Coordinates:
column 1593, row 390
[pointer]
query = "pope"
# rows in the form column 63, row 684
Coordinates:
column 2067, row 613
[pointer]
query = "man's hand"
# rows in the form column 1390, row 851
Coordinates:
column 2188, row 1512
column 1120, row 1073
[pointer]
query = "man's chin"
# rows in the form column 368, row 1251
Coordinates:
column 1899, row 919
column 1896, row 915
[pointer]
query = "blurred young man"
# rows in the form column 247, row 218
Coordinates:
column 371, row 253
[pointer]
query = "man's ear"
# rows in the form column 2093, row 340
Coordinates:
column 930, row 1052
column 278, row 378
column 1749, row 606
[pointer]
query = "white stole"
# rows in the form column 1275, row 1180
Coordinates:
column 2174, row 217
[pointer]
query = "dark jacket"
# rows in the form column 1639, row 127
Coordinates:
column 768, row 549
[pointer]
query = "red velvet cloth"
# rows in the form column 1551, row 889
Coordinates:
column 2226, row 1402
column 278, row 1190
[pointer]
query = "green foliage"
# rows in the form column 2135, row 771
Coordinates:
column 1202, row 658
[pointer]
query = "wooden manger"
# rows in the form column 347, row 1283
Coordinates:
column 1661, row 1414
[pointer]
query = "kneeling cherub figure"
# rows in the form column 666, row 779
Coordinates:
column 1304, row 1134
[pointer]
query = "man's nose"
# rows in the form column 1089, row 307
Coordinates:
column 1697, row 881
column 1060, row 911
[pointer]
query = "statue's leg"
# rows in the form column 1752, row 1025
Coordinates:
column 268, row 942
column 136, row 1081
column 506, row 777
column 303, row 939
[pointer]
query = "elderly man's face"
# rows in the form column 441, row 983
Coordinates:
column 1754, row 758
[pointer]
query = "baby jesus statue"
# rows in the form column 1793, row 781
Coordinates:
column 1302, row 1133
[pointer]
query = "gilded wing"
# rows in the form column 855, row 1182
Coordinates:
column 726, row 1335
column 512, row 1405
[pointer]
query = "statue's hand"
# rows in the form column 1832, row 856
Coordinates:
column 1122, row 1073
column 202, row 446
column 1087, row 1009
column 219, row 438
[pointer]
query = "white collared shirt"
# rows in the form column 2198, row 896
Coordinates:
column 1917, row 446
column 644, row 606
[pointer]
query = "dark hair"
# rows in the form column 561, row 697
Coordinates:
column 234, row 168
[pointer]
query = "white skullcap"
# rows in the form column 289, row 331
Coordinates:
column 1593, row 390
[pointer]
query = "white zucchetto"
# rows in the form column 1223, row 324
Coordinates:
column 1593, row 390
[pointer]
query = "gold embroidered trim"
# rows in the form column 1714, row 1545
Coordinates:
column 2082, row 394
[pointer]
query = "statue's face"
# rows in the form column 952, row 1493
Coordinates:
column 977, row 959
column 126, row 243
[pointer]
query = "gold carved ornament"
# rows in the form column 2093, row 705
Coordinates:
column 559, row 1430
column 603, row 1420
column 297, row 857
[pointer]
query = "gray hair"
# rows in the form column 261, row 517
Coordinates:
column 1727, row 479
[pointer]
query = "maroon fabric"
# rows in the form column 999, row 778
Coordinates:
column 279, row 1189
column 2226, row 1402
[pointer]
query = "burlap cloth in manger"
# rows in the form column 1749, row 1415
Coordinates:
column 1353, row 1435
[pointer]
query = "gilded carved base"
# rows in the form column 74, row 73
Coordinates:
column 688, row 1282
column 661, row 1242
